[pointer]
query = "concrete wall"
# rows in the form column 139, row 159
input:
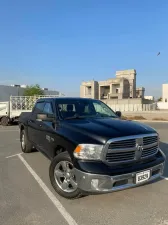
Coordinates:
column 132, row 107
column 127, row 101
column 124, row 101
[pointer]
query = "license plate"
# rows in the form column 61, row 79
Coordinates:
column 142, row 176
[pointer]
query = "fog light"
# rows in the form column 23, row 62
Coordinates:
column 94, row 183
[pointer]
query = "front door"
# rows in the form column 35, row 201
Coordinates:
column 34, row 125
column 47, row 132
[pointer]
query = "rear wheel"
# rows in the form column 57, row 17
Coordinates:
column 26, row 146
column 62, row 177
column 4, row 121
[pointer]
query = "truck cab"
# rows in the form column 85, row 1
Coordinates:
column 92, row 150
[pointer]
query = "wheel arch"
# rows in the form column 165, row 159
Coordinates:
column 69, row 148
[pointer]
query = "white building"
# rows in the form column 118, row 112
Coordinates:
column 149, row 97
column 164, row 103
column 165, row 92
column 18, row 90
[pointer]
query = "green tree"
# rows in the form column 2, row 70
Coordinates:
column 33, row 90
column 159, row 99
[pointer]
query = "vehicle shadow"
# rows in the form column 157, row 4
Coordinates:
column 164, row 148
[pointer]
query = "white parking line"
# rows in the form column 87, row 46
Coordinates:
column 5, row 130
column 50, row 195
column 165, row 178
column 13, row 155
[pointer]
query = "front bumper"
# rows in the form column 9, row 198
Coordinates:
column 96, row 183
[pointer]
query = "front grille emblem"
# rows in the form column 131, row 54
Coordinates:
column 138, row 152
column 139, row 148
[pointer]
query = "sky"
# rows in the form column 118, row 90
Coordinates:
column 60, row 43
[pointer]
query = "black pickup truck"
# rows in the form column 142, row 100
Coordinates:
column 92, row 150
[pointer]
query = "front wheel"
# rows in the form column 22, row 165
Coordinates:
column 62, row 177
column 26, row 146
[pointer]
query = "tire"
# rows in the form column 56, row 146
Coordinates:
column 26, row 146
column 57, row 161
column 4, row 121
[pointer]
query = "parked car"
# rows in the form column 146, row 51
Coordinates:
column 11, row 110
column 92, row 150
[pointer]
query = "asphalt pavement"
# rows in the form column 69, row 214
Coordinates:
column 27, row 197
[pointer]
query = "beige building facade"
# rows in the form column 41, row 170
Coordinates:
column 121, row 87
column 165, row 92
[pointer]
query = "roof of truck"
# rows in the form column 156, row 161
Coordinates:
column 63, row 98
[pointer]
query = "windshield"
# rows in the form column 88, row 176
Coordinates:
column 84, row 108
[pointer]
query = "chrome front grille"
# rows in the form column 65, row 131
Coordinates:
column 128, row 149
column 150, row 140
column 120, row 156
column 149, row 151
column 121, row 144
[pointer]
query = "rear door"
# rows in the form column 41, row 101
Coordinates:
column 34, row 125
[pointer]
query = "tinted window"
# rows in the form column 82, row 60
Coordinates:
column 67, row 110
column 39, row 106
column 84, row 108
column 102, row 109
column 48, row 108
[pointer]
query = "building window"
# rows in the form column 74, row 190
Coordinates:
column 89, row 90
column 165, row 99
column 117, row 90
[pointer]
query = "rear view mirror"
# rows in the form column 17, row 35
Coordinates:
column 45, row 117
column 118, row 113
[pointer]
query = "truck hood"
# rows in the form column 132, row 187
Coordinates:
column 106, row 128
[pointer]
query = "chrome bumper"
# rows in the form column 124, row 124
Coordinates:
column 103, row 183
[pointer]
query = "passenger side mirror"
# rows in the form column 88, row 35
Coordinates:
column 118, row 113
column 45, row 117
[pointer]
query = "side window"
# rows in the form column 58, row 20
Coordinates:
column 66, row 107
column 48, row 108
column 66, row 110
column 38, row 107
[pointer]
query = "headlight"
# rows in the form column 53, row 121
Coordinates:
column 88, row 151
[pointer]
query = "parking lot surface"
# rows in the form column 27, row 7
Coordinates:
column 27, row 197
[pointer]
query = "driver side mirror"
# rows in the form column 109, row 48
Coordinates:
column 118, row 113
column 45, row 117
